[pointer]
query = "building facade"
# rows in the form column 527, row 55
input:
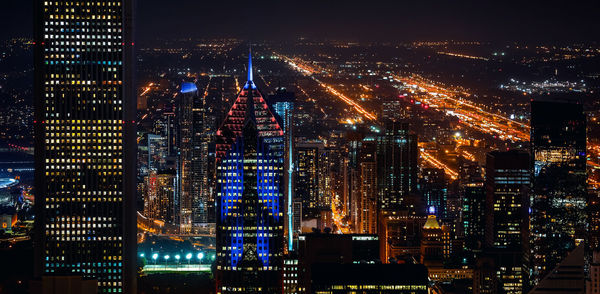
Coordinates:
column 250, row 220
column 85, row 158
column 559, row 190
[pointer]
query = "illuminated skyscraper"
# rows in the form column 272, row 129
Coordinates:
column 188, row 181
column 396, row 165
column 250, row 220
column 85, row 111
column 559, row 194
column 307, row 178
column 473, row 217
column 367, row 165
column 507, row 181
column 282, row 103
column 435, row 193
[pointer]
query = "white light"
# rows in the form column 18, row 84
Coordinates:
column 177, row 257
column 188, row 256
column 167, row 257
column 155, row 256
column 200, row 255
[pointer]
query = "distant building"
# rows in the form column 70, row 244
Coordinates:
column 506, row 214
column 369, row 278
column 396, row 165
column 559, row 194
column 433, row 187
column 367, row 165
column 435, row 243
column 188, row 189
column 159, row 197
column 473, row 217
column 307, row 177
column 250, row 219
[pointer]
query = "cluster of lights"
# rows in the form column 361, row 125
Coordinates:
column 189, row 256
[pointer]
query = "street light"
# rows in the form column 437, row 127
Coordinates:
column 200, row 256
column 177, row 257
column 155, row 257
column 188, row 257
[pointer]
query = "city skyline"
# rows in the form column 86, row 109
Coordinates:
column 191, row 147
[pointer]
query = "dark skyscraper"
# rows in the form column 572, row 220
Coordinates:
column 85, row 142
column 250, row 220
column 506, row 213
column 396, row 164
column 559, row 195
column 433, row 187
column 473, row 217
column 188, row 181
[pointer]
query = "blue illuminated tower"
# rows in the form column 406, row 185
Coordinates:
column 250, row 162
column 282, row 102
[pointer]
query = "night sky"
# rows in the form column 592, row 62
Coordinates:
column 394, row 20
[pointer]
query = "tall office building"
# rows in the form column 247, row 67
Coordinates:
column 282, row 102
column 85, row 142
column 559, row 194
column 473, row 217
column 188, row 181
column 250, row 220
column 506, row 213
column 432, row 186
column 367, row 165
column 397, row 165
column 307, row 177
column 159, row 196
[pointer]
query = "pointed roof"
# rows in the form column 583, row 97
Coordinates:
column 432, row 223
column 249, row 107
column 566, row 277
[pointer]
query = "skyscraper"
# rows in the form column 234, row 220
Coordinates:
column 559, row 194
column 282, row 103
column 397, row 165
column 85, row 142
column 188, row 181
column 433, row 188
column 473, row 216
column 367, row 165
column 307, row 177
column 250, row 161
column 506, row 213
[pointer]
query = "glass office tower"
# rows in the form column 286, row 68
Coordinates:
column 250, row 162
column 85, row 150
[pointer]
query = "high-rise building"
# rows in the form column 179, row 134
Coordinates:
column 432, row 186
column 397, row 165
column 85, row 110
column 188, row 181
column 473, row 217
column 250, row 220
column 506, row 214
column 159, row 196
column 307, row 177
column 367, row 165
column 282, row 102
column 559, row 193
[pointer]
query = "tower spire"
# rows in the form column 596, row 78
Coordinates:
column 250, row 64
